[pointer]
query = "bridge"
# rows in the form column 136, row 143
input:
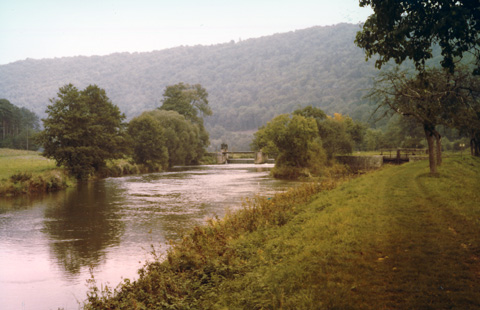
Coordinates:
column 241, row 157
column 402, row 155
column 387, row 156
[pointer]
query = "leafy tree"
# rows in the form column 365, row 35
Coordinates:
column 294, row 138
column 148, row 141
column 82, row 130
column 335, row 137
column 166, row 138
column 433, row 98
column 404, row 29
column 187, row 100
column 408, row 29
column 312, row 112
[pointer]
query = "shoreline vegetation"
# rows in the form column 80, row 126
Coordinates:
column 396, row 238
column 25, row 172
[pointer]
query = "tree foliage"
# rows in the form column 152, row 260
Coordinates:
column 434, row 98
column 408, row 29
column 18, row 125
column 82, row 130
column 294, row 139
column 187, row 100
column 335, row 137
column 148, row 141
column 166, row 138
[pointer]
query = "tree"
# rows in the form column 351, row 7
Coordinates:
column 408, row 29
column 82, row 130
column 165, row 138
column 434, row 98
column 148, row 141
column 335, row 137
column 312, row 112
column 188, row 100
column 294, row 138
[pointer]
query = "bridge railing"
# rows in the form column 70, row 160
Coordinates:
column 402, row 152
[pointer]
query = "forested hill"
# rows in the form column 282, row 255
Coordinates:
column 248, row 81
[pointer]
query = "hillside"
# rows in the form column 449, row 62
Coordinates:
column 248, row 81
column 412, row 243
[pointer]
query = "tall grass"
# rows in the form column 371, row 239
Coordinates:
column 394, row 239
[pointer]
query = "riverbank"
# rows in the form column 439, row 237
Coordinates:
column 27, row 172
column 396, row 238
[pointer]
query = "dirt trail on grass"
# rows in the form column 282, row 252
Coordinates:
column 430, row 256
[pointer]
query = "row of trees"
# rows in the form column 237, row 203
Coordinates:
column 84, row 129
column 17, row 126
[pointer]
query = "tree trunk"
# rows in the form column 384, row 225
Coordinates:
column 438, row 140
column 429, row 134
column 476, row 147
column 472, row 146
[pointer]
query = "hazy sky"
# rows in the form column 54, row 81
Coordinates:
column 56, row 28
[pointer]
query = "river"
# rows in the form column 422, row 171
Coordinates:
column 51, row 245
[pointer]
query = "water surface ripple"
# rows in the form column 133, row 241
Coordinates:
column 48, row 245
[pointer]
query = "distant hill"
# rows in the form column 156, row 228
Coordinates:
column 249, row 82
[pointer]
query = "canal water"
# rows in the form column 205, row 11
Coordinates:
column 50, row 246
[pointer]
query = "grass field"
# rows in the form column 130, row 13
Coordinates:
column 24, row 172
column 15, row 161
column 397, row 238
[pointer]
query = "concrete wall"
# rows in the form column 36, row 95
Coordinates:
column 357, row 163
column 261, row 158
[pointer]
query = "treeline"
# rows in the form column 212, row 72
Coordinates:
column 84, row 129
column 18, row 125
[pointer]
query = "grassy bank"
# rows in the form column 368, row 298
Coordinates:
column 393, row 239
column 27, row 172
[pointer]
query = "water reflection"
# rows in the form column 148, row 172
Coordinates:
column 82, row 225
column 47, row 245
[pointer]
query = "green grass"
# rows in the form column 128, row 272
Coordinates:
column 397, row 238
column 15, row 161
column 24, row 172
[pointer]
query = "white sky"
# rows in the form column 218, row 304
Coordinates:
column 57, row 28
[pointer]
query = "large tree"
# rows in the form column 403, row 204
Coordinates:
column 188, row 100
column 433, row 98
column 407, row 29
column 295, row 141
column 82, row 130
column 148, row 141
column 165, row 138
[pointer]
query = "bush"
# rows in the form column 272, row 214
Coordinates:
column 20, row 177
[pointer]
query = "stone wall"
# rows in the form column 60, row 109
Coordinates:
column 357, row 163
